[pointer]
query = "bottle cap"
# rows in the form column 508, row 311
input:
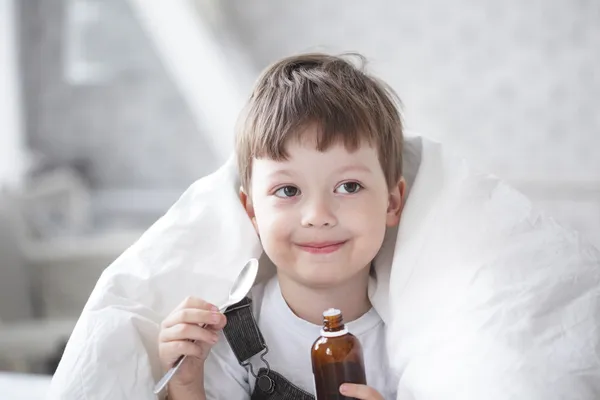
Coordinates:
column 331, row 312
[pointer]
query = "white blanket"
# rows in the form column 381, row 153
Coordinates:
column 484, row 298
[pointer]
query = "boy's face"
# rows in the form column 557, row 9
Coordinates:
column 322, row 216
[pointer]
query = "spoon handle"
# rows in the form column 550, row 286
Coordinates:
column 171, row 372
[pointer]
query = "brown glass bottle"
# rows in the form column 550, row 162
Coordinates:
column 336, row 358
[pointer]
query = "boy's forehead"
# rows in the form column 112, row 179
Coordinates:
column 310, row 135
column 307, row 141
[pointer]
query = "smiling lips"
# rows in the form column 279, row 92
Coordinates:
column 321, row 247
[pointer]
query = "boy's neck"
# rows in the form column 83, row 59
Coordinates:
column 308, row 303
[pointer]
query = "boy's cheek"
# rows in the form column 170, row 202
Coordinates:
column 267, row 226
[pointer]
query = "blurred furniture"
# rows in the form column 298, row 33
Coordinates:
column 62, row 274
column 52, row 256
column 64, row 271
column 15, row 299
column 31, row 346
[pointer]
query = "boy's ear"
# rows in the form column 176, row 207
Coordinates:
column 395, row 203
column 249, row 207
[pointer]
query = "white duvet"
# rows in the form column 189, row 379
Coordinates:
column 483, row 296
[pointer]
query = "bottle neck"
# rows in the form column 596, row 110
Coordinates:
column 340, row 332
column 333, row 323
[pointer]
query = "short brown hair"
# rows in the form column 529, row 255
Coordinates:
column 345, row 104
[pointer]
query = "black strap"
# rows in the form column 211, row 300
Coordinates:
column 242, row 332
column 281, row 388
column 246, row 341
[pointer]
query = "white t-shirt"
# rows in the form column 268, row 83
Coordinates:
column 290, row 339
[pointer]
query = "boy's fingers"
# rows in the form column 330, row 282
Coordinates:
column 362, row 392
column 194, row 316
column 188, row 332
column 173, row 350
column 194, row 302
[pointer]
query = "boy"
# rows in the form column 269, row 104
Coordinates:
column 320, row 161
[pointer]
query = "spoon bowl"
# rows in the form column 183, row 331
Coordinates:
column 243, row 283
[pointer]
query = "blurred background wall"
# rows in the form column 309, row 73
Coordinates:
column 126, row 102
column 95, row 90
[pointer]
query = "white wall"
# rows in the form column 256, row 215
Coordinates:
column 11, row 133
column 197, row 66
column 131, row 114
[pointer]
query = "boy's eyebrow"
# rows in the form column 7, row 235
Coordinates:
column 357, row 167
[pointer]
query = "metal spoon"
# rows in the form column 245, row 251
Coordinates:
column 238, row 291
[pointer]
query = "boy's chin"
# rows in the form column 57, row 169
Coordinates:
column 321, row 283
column 326, row 279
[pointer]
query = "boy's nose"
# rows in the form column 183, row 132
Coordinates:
column 318, row 214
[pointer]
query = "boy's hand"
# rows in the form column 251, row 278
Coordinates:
column 362, row 392
column 177, row 335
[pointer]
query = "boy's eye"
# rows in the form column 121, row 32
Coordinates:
column 349, row 187
column 287, row 191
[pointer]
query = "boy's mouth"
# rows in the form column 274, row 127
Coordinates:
column 321, row 247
